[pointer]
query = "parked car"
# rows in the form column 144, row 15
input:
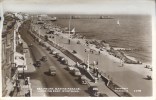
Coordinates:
column 44, row 58
column 76, row 72
column 52, row 70
column 70, row 67
column 30, row 45
column 93, row 90
column 63, row 60
column 48, row 48
column 83, row 79
column 38, row 63
column 51, row 51
column 43, row 44
column 103, row 95
column 57, row 55
column 54, row 52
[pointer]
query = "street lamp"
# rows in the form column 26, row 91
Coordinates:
column 23, row 73
column 39, row 35
column 69, row 25
column 88, row 62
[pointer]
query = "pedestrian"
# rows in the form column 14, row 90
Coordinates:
column 84, row 67
column 77, row 64
column 85, row 50
column 94, row 70
column 94, row 63
column 86, row 42
column 97, row 71
column 68, row 41
column 18, row 87
column 99, row 52
column 97, row 62
column 27, row 94
column 99, row 75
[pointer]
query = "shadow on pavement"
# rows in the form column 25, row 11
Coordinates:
column 77, row 80
column 66, row 69
column 145, row 78
column 87, row 91
column 47, row 73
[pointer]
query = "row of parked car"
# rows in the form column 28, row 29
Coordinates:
column 76, row 72
column 60, row 58
column 73, row 70
column 93, row 90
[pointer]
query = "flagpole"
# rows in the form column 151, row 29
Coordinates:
column 69, row 26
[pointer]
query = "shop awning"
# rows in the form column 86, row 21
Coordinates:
column 20, row 61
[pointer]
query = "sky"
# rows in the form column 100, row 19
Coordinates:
column 81, row 6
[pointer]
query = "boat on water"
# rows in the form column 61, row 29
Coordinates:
column 106, row 17
column 118, row 22
column 46, row 17
column 53, row 18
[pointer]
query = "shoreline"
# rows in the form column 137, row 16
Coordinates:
column 105, row 52
column 141, row 54
column 131, row 59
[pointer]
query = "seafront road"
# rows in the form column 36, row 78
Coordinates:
column 63, row 79
column 132, row 77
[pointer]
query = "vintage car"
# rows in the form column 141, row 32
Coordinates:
column 57, row 55
column 37, row 63
column 52, row 70
column 82, row 79
column 93, row 90
column 44, row 58
column 51, row 51
column 48, row 48
column 103, row 95
column 63, row 60
column 70, row 67
column 76, row 72
column 30, row 45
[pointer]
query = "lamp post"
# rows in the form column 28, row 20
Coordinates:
column 23, row 73
column 69, row 25
column 88, row 62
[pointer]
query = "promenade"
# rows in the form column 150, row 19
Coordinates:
column 131, row 76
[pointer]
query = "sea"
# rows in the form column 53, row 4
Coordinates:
column 122, row 31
